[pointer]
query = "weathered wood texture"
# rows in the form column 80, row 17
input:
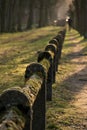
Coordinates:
column 29, row 101
column 39, row 102
column 25, row 108
column 51, row 48
column 46, row 59
column 58, row 40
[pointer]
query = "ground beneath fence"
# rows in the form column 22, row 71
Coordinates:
column 71, row 86
column 79, row 84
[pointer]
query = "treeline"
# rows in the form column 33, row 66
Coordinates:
column 79, row 16
column 17, row 15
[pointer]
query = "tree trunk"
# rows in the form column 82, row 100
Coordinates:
column 20, row 15
column 41, row 13
column 3, row 5
column 30, row 17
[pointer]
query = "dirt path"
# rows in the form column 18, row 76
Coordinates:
column 78, row 83
column 68, row 109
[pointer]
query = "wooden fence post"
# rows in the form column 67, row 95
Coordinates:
column 45, row 58
column 39, row 103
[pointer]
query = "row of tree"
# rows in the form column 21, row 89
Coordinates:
column 78, row 13
column 16, row 15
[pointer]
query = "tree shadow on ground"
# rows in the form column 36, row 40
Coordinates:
column 40, row 38
column 73, row 38
column 73, row 55
column 72, row 85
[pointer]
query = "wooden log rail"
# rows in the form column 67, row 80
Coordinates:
column 39, row 99
column 52, row 49
column 25, row 108
column 46, row 59
column 58, row 41
column 52, row 54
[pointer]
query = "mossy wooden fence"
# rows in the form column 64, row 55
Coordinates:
column 25, row 108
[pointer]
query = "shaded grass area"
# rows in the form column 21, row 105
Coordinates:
column 17, row 50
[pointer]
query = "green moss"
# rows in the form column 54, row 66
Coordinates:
column 53, row 127
column 18, row 50
column 46, row 64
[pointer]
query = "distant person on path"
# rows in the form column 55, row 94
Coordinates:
column 69, row 22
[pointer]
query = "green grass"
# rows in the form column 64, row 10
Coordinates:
column 17, row 50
